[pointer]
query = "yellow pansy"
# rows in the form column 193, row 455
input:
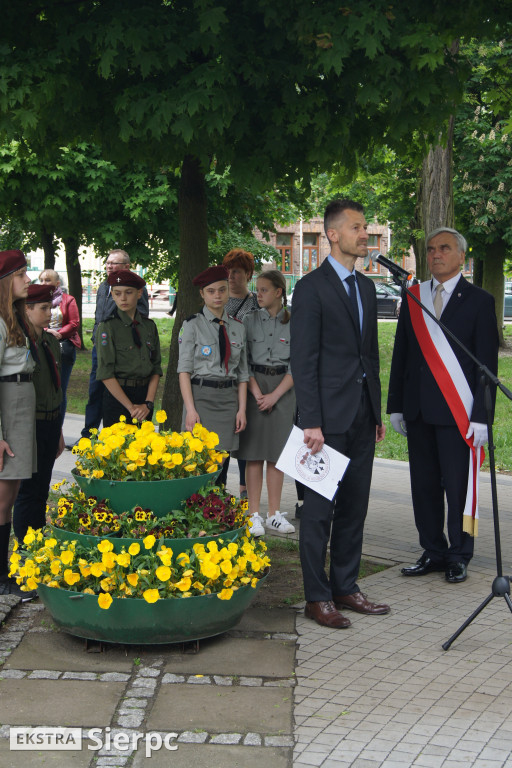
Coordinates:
column 177, row 459
column 149, row 541
column 67, row 557
column 160, row 417
column 104, row 600
column 97, row 570
column 225, row 594
column 70, row 577
column 163, row 572
column 134, row 549
column 151, row 595
column 105, row 546
column 132, row 579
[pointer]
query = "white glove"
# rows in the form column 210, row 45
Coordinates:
column 398, row 423
column 479, row 432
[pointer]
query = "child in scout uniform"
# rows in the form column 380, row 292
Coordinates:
column 30, row 505
column 271, row 399
column 128, row 351
column 17, row 401
column 212, row 365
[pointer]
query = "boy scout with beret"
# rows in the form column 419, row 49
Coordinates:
column 30, row 505
column 128, row 348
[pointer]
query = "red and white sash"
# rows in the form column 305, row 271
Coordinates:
column 453, row 384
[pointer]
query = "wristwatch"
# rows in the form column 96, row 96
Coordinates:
column 149, row 405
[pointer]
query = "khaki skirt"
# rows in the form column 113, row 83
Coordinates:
column 266, row 433
column 217, row 409
column 18, row 408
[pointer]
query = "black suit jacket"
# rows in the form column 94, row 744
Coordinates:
column 329, row 357
column 471, row 316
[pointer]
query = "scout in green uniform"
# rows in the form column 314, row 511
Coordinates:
column 128, row 351
column 30, row 505
column 212, row 365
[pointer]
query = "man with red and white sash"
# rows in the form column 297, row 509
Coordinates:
column 436, row 399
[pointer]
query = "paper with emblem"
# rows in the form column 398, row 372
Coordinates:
column 321, row 471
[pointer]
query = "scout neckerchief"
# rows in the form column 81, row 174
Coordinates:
column 52, row 364
column 31, row 343
column 224, row 343
column 454, row 387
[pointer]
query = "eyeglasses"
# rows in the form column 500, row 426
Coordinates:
column 116, row 264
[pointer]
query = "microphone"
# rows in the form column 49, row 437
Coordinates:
column 395, row 270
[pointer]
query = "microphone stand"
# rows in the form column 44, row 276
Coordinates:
column 501, row 584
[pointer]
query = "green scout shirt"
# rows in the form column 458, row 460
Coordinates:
column 47, row 397
column 119, row 357
column 268, row 339
column 200, row 351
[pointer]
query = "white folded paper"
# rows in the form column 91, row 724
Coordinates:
column 321, row 471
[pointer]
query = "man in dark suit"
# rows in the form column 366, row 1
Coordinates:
column 335, row 367
column 439, row 456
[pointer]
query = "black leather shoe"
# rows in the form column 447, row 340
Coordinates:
column 424, row 565
column 456, row 572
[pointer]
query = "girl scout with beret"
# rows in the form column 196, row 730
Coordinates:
column 271, row 402
column 212, row 365
column 128, row 349
column 30, row 505
column 17, row 400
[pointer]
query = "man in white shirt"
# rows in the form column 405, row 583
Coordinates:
column 423, row 409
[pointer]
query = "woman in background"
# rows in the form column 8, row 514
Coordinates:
column 240, row 266
column 63, row 325
column 271, row 400
column 18, row 357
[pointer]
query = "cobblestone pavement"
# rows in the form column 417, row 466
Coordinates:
column 280, row 690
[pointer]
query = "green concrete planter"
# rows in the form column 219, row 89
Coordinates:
column 160, row 496
column 84, row 539
column 134, row 621
column 177, row 545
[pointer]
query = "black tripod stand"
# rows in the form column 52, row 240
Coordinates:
column 501, row 583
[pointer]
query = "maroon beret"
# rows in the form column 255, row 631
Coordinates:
column 210, row 275
column 38, row 293
column 11, row 261
column 125, row 278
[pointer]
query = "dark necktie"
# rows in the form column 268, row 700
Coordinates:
column 52, row 364
column 224, row 343
column 31, row 342
column 351, row 283
column 136, row 335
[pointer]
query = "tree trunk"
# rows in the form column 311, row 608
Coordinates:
column 435, row 198
column 494, row 279
column 193, row 222
column 478, row 272
column 74, row 276
column 48, row 248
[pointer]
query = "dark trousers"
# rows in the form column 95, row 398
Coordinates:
column 112, row 408
column 68, row 358
column 343, row 522
column 439, row 464
column 30, row 505
column 94, row 407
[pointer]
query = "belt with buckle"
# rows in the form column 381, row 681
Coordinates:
column 270, row 371
column 134, row 382
column 17, row 377
column 48, row 415
column 217, row 384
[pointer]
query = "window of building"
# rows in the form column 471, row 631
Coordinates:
column 284, row 244
column 309, row 252
column 370, row 261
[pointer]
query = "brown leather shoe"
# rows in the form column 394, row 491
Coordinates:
column 325, row 614
column 359, row 603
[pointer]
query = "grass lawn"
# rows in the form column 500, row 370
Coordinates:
column 393, row 447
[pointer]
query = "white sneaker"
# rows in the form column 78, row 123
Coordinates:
column 278, row 522
column 257, row 528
